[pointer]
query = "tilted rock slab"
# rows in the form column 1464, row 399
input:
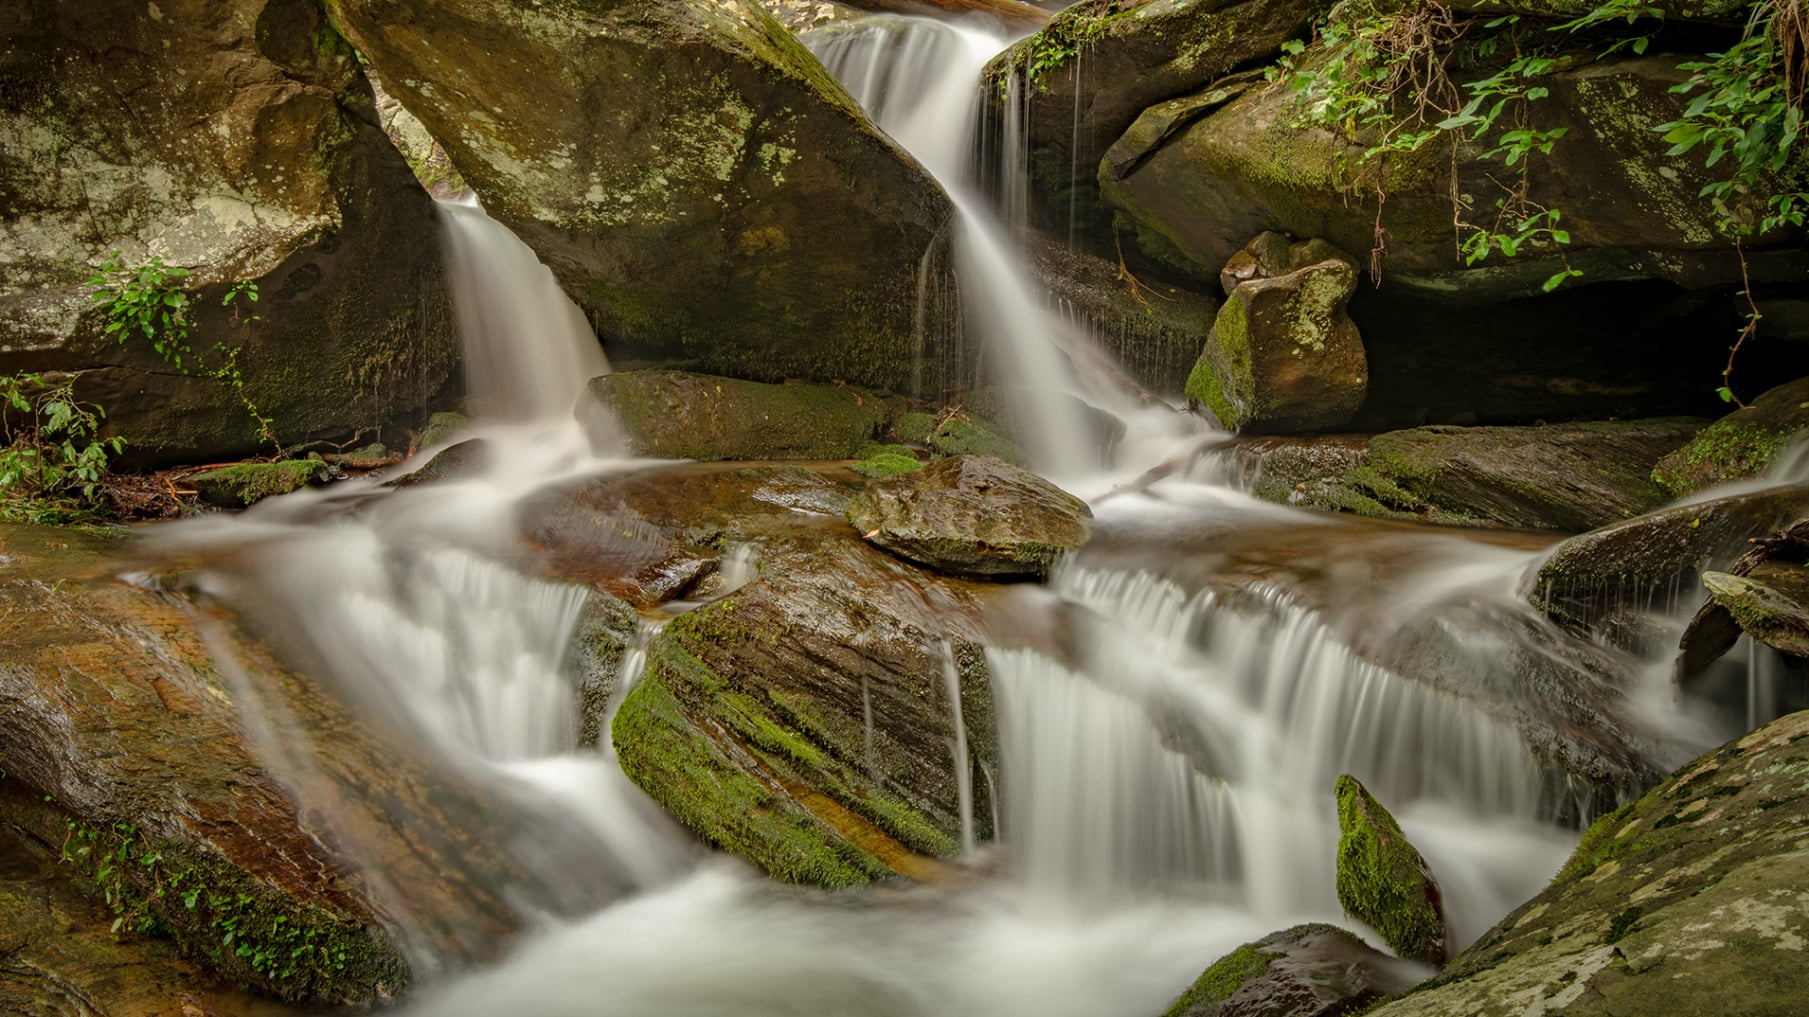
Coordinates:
column 1689, row 901
column 1314, row 970
column 1384, row 881
column 692, row 175
column 236, row 139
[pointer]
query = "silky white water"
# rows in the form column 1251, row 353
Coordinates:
column 1163, row 791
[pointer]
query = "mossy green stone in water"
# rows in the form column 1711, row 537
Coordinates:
column 958, row 436
column 1224, row 977
column 886, row 464
column 441, row 427
column 1383, row 880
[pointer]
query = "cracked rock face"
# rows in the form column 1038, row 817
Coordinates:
column 1693, row 900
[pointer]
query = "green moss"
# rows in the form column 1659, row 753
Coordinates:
column 886, row 464
column 247, row 483
column 441, row 427
column 1383, row 881
column 915, row 428
column 675, row 415
column 960, row 435
column 1725, row 450
column 1224, row 367
column 1599, row 845
column 1228, row 974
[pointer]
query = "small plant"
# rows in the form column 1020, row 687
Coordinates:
column 52, row 466
column 148, row 301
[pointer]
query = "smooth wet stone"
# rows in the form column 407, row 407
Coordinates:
column 1713, row 630
column 1743, row 444
column 675, row 415
column 248, row 483
column 973, row 516
column 1770, row 603
column 1383, row 880
column 1689, row 901
column 1646, row 563
column 1312, row 970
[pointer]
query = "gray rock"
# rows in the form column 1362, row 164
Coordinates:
column 1307, row 971
column 972, row 515
column 674, row 415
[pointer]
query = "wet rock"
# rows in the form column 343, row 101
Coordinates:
column 1084, row 78
column 674, row 415
column 1770, row 603
column 751, row 722
column 1004, row 408
column 972, row 515
column 959, row 434
column 1743, row 444
column 1312, row 970
column 1712, row 630
column 1687, row 901
column 1644, row 564
column 1283, row 355
column 427, row 160
column 1383, row 881
column 115, row 718
column 693, row 177
column 265, row 163
column 1150, row 323
column 248, row 483
column 442, row 427
column 607, row 630
column 462, row 461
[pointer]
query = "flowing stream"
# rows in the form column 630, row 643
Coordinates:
column 1165, row 789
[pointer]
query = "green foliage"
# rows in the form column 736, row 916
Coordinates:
column 52, row 465
column 148, row 301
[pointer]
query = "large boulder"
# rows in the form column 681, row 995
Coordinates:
column 235, row 140
column 1688, row 901
column 694, row 178
column 1743, row 444
column 1283, row 355
column 804, row 719
column 1084, row 78
column 1383, row 881
column 1645, row 563
column 674, row 415
column 1312, row 970
column 972, row 516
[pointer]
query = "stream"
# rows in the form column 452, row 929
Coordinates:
column 1165, row 786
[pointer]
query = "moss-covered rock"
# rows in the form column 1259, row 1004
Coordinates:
column 442, row 427
column 1384, row 882
column 1645, row 563
column 692, row 175
column 1307, row 971
column 1740, row 445
column 674, row 415
column 265, row 164
column 1083, row 79
column 972, row 515
column 1770, row 604
column 886, row 464
column 961, row 435
column 1283, row 355
column 248, row 483
column 1689, row 901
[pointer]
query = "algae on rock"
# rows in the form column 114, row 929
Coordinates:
column 1383, row 880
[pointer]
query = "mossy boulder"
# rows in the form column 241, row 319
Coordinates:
column 248, row 483
column 1770, row 604
column 1283, row 356
column 1085, row 77
column 1384, row 882
column 886, row 464
column 691, row 174
column 1688, row 901
column 1314, row 970
column 1647, row 562
column 959, row 434
column 973, row 516
column 675, row 415
column 1740, row 445
column 259, row 159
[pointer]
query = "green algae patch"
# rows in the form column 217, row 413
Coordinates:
column 1383, row 880
column 887, row 464
column 1224, row 977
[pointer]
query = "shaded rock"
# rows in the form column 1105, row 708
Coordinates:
column 1687, row 901
column 1152, row 326
column 1312, row 970
column 58, row 954
column 1383, row 881
column 1727, row 12
column 972, row 515
column 1004, row 408
column 247, row 483
column 1283, row 355
column 673, row 415
column 1080, row 82
column 607, row 630
column 1740, row 445
column 693, row 177
column 1770, row 603
column 442, row 427
column 1304, row 471
column 1645, row 563
column 958, row 434
column 427, row 160
column 462, row 461
column 1712, row 631
column 261, row 159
